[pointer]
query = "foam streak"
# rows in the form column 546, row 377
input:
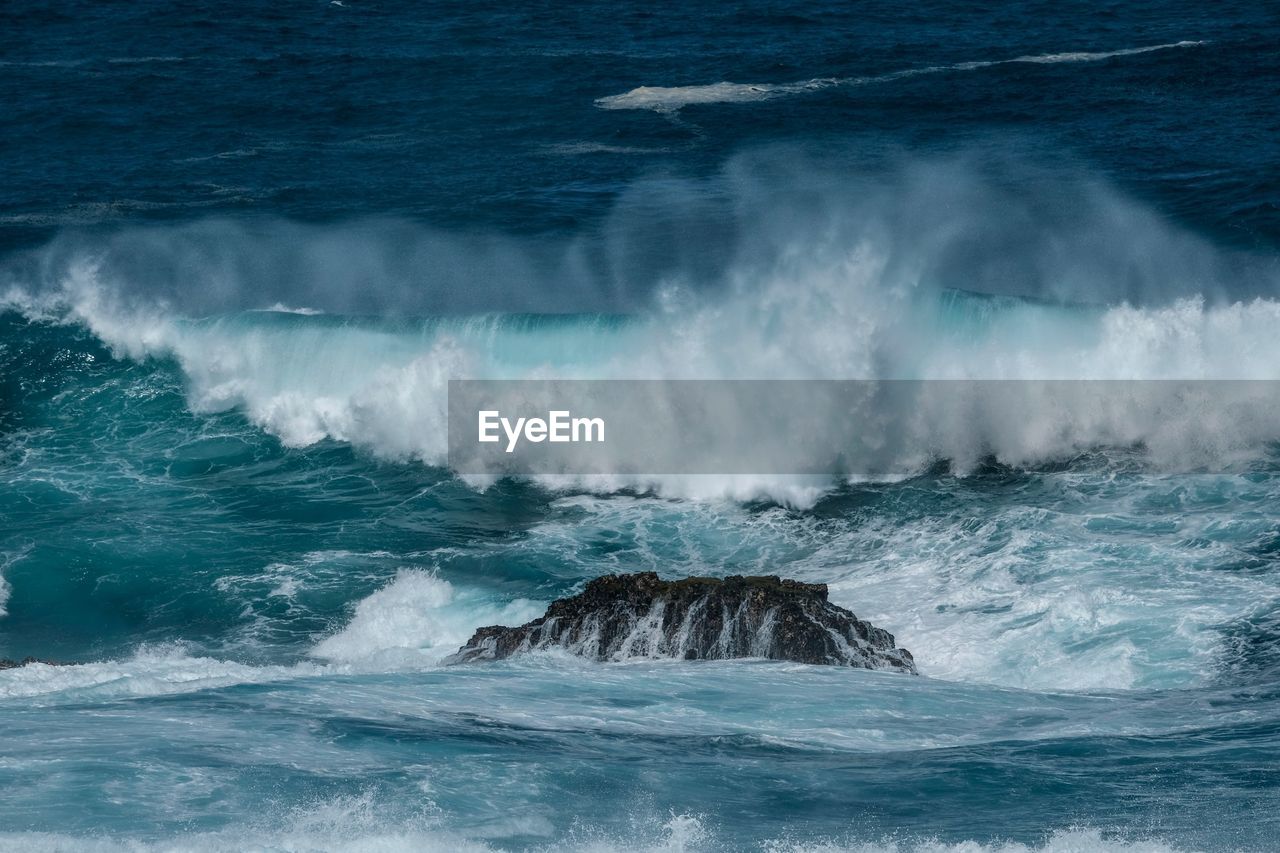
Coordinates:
column 671, row 99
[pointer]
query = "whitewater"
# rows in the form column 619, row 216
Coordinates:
column 242, row 257
column 1094, row 578
column 671, row 99
column 868, row 299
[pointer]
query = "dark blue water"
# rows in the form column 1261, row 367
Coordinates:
column 463, row 115
column 244, row 248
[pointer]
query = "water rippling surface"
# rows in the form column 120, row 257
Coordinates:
column 243, row 255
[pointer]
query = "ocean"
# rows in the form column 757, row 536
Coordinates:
column 243, row 249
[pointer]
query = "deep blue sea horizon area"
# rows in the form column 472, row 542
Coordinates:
column 245, row 248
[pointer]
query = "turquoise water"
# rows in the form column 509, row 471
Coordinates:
column 262, row 624
column 243, row 250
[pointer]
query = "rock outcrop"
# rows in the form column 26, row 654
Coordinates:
column 619, row 617
column 5, row 663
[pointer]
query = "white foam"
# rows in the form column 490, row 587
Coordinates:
column 6, row 589
column 281, row 308
column 673, row 98
column 151, row 672
column 386, row 391
column 844, row 289
column 349, row 824
column 333, row 831
column 576, row 148
column 412, row 623
column 670, row 99
column 1035, row 600
column 417, row 617
column 1034, row 593
column 144, row 60
column 1062, row 841
column 408, row 841
column 360, row 824
column 1085, row 56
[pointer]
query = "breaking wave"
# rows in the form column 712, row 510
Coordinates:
column 418, row 617
column 867, row 283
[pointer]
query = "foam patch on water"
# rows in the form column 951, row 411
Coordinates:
column 417, row 616
column 349, row 824
column 671, row 99
column 359, row 824
column 680, row 834
column 6, row 589
column 1063, row 841
column 1053, row 598
column 152, row 672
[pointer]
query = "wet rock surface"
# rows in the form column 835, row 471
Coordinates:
column 6, row 663
column 620, row 617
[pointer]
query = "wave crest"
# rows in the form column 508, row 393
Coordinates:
column 939, row 271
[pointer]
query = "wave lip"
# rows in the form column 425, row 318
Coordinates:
column 671, row 99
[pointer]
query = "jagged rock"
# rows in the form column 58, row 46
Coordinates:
column 5, row 663
column 642, row 616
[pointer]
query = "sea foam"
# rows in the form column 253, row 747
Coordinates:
column 679, row 834
column 151, row 672
column 417, row 616
column 670, row 99
column 860, row 286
